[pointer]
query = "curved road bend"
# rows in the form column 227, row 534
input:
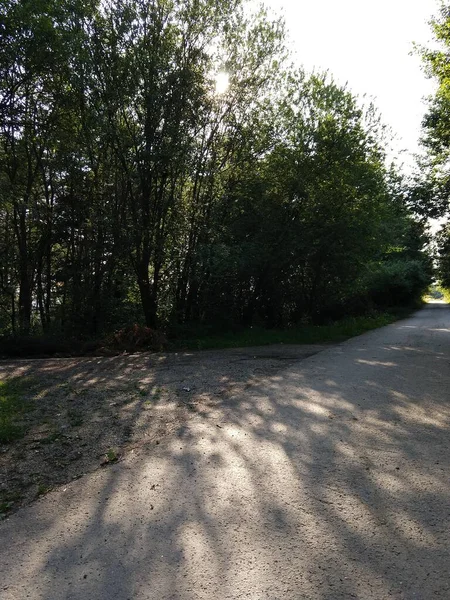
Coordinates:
column 327, row 481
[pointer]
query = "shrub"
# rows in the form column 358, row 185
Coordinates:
column 397, row 283
column 136, row 337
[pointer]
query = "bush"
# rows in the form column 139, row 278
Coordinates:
column 135, row 338
column 397, row 283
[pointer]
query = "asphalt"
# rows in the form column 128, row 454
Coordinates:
column 328, row 480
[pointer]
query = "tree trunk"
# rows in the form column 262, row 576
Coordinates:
column 148, row 295
column 25, row 299
column 25, row 273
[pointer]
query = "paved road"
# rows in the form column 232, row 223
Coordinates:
column 327, row 481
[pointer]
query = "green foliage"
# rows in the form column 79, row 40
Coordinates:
column 431, row 190
column 443, row 256
column 132, row 192
column 397, row 283
column 110, row 457
column 446, row 294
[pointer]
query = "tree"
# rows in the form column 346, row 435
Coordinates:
column 132, row 191
column 431, row 192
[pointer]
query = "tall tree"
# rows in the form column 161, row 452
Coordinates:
column 133, row 189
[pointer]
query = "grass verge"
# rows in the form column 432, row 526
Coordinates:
column 308, row 334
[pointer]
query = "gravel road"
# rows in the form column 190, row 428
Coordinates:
column 326, row 480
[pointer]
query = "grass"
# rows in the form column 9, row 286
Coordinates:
column 12, row 407
column 111, row 456
column 43, row 489
column 307, row 334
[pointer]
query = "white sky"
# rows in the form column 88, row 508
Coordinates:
column 367, row 44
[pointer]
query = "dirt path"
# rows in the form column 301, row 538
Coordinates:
column 326, row 479
column 79, row 412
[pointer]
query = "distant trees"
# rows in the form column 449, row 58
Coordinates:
column 132, row 190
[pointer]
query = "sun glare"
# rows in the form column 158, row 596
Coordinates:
column 222, row 82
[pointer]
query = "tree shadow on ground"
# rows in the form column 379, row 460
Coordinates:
column 79, row 411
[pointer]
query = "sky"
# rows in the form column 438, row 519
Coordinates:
column 368, row 46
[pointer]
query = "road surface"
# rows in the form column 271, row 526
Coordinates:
column 326, row 481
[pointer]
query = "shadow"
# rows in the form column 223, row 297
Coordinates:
column 80, row 409
column 324, row 479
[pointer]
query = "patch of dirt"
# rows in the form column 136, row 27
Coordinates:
column 86, row 413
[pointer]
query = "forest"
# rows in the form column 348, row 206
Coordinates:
column 163, row 164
